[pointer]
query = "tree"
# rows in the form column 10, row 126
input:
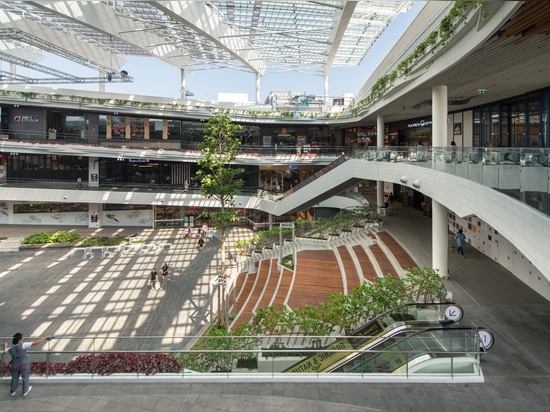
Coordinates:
column 219, row 178
column 425, row 284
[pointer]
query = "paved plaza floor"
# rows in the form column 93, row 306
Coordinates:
column 43, row 291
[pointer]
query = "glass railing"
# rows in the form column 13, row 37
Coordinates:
column 521, row 173
column 445, row 352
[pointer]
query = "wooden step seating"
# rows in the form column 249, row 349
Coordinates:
column 317, row 276
column 244, row 310
column 367, row 267
column 246, row 281
column 240, row 282
column 283, row 289
column 386, row 267
column 352, row 276
column 270, row 288
column 404, row 259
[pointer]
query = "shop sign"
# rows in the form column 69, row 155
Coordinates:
column 421, row 123
column 25, row 119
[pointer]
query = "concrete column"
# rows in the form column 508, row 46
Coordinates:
column 439, row 116
column 440, row 238
column 258, row 88
column 270, row 220
column 325, row 90
column 380, row 128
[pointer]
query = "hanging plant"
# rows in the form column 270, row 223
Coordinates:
column 439, row 36
column 28, row 95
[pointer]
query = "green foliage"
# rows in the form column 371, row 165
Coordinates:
column 207, row 353
column 267, row 238
column 288, row 262
column 218, row 177
column 343, row 220
column 104, row 241
column 51, row 237
column 242, row 246
column 310, row 321
column 438, row 37
column 219, row 180
column 424, row 284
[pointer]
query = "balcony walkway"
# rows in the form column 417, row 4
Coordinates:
column 109, row 295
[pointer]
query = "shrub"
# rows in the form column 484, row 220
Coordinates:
column 104, row 241
column 51, row 237
column 108, row 363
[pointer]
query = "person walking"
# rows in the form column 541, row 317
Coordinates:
column 20, row 363
column 153, row 279
column 460, row 242
column 201, row 242
column 164, row 271
column 391, row 198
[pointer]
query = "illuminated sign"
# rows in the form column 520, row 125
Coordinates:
column 421, row 123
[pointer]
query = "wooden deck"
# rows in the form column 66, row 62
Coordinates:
column 369, row 272
column 353, row 278
column 404, row 259
column 284, row 288
column 383, row 261
column 317, row 275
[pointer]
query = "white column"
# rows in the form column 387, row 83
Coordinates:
column 325, row 91
column 439, row 212
column 93, row 172
column 102, row 76
column 439, row 116
column 95, row 218
column 380, row 128
column 183, row 87
column 258, row 89
column 440, row 238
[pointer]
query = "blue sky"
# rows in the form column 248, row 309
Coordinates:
column 155, row 78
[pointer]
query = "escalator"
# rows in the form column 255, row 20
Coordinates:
column 391, row 340
column 416, row 348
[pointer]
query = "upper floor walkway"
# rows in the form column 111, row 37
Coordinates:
column 507, row 188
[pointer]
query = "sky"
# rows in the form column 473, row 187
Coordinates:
column 153, row 77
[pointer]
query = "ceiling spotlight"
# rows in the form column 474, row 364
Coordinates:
column 404, row 179
column 416, row 184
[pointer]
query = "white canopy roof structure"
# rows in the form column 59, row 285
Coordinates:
column 254, row 36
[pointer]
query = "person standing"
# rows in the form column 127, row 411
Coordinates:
column 391, row 197
column 201, row 242
column 79, row 183
column 20, row 363
column 153, row 279
column 164, row 271
column 386, row 200
column 460, row 242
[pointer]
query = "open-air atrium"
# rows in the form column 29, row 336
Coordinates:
column 452, row 122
